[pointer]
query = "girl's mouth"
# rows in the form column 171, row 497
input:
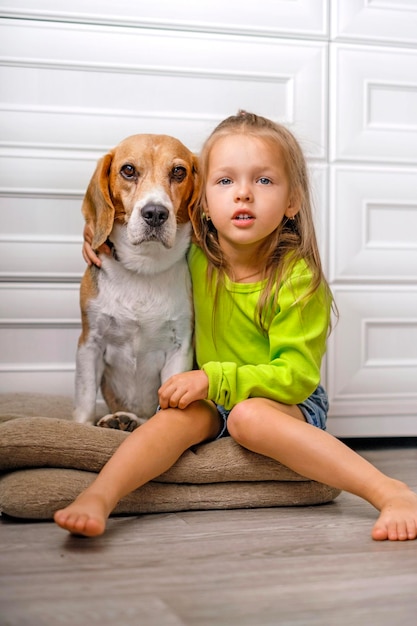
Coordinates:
column 242, row 216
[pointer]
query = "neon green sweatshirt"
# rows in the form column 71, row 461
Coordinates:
column 238, row 358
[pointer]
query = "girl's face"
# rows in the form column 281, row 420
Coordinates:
column 247, row 190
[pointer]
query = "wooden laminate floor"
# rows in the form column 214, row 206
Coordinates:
column 288, row 566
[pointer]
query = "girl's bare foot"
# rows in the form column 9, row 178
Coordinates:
column 87, row 516
column 398, row 517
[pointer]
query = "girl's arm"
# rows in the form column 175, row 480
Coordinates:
column 90, row 257
column 296, row 344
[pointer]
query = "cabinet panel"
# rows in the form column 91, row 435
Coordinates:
column 376, row 20
column 43, row 379
column 86, row 87
column 373, row 224
column 39, row 302
column 41, row 233
column 39, row 330
column 38, row 346
column 373, row 104
column 372, row 353
column 272, row 17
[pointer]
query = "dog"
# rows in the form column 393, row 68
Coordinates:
column 136, row 310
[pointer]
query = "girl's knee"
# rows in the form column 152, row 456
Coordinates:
column 243, row 419
column 199, row 421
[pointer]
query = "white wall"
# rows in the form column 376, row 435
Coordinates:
column 342, row 74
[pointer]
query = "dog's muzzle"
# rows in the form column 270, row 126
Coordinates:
column 154, row 215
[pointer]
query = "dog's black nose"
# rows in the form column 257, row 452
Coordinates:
column 155, row 214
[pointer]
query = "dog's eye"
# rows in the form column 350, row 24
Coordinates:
column 128, row 171
column 178, row 173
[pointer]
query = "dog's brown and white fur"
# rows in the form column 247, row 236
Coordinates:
column 137, row 308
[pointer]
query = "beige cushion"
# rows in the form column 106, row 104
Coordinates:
column 46, row 460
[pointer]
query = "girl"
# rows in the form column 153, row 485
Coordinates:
column 262, row 311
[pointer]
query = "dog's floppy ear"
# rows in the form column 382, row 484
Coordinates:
column 98, row 208
column 190, row 200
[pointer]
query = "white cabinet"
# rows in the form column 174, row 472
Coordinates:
column 78, row 78
column 372, row 356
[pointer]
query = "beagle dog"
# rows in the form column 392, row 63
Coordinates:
column 136, row 310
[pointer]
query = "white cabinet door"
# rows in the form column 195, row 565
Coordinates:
column 377, row 20
column 39, row 330
column 373, row 224
column 373, row 104
column 308, row 18
column 372, row 362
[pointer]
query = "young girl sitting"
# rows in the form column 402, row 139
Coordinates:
column 262, row 314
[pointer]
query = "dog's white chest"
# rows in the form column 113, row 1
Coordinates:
column 141, row 313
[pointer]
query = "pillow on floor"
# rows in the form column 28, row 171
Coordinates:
column 46, row 460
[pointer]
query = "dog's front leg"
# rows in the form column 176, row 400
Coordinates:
column 177, row 361
column 88, row 374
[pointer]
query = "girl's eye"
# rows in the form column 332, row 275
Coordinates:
column 264, row 181
column 225, row 181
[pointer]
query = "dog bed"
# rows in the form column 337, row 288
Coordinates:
column 46, row 460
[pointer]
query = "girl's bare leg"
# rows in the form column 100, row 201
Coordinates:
column 270, row 429
column 146, row 453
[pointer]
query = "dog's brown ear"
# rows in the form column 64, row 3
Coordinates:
column 98, row 208
column 190, row 200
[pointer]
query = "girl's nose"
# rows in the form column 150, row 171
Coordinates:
column 243, row 194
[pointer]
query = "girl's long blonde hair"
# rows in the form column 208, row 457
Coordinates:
column 293, row 240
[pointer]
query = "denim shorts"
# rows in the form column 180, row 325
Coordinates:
column 314, row 409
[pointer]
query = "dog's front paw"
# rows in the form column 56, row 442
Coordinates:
column 120, row 421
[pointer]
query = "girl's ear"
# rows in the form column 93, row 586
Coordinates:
column 294, row 205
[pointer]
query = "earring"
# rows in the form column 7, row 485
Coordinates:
column 206, row 217
column 292, row 224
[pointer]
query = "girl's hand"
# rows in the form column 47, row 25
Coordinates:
column 182, row 389
column 90, row 257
